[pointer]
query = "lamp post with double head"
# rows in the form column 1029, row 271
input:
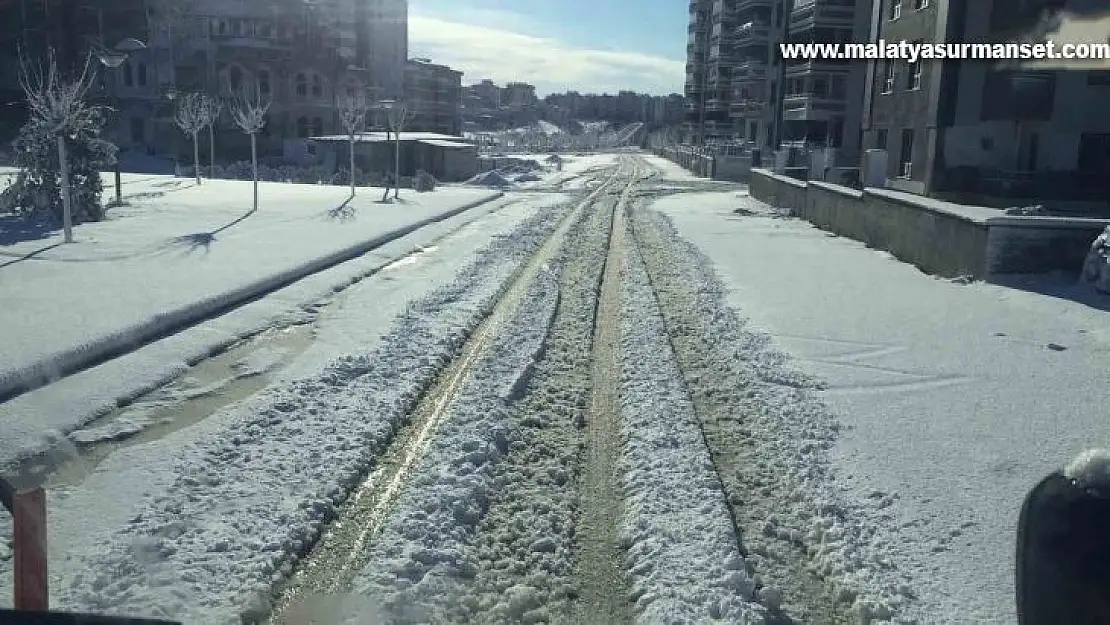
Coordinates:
column 112, row 59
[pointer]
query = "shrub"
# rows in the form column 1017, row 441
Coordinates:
column 37, row 190
column 424, row 182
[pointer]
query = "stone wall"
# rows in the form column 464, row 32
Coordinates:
column 940, row 238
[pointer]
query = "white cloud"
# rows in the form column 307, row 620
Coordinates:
column 502, row 55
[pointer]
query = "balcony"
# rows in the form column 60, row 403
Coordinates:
column 749, row 69
column 717, row 104
column 810, row 107
column 823, row 13
column 747, row 108
column 753, row 33
column 746, row 5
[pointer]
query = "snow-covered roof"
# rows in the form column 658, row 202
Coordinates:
column 371, row 137
column 440, row 143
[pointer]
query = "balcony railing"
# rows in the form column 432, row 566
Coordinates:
column 753, row 33
column 809, row 106
column 823, row 12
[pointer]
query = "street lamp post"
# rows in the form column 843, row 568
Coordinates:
column 113, row 59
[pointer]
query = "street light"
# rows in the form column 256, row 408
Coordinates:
column 113, row 59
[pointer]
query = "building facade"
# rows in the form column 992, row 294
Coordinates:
column 974, row 131
column 301, row 56
column 435, row 94
column 739, row 86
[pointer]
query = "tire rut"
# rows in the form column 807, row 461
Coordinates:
column 755, row 497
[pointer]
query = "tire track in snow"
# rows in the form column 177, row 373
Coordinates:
column 768, row 436
column 598, row 562
column 346, row 547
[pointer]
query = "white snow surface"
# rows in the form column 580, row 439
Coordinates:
column 39, row 418
column 160, row 261
column 681, row 548
column 196, row 526
column 953, row 399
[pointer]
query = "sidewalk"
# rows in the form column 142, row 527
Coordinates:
column 180, row 253
column 955, row 398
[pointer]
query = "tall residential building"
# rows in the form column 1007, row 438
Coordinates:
column 972, row 131
column 822, row 100
column 435, row 94
column 737, row 84
column 710, row 55
column 388, row 47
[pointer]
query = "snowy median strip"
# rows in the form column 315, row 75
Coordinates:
column 251, row 492
column 682, row 551
column 99, row 348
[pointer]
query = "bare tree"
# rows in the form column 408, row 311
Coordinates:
column 249, row 112
column 397, row 114
column 352, row 114
column 191, row 116
column 214, row 107
column 59, row 104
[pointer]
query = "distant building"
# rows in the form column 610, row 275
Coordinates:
column 435, row 94
column 518, row 95
column 971, row 131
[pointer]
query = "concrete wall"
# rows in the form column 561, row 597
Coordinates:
column 940, row 238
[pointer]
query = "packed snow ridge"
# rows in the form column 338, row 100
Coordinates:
column 251, row 494
column 682, row 550
column 746, row 374
column 1096, row 269
column 421, row 564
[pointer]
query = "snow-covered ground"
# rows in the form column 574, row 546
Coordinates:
column 197, row 524
column 178, row 251
column 953, row 398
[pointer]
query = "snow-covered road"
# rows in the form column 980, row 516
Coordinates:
column 620, row 395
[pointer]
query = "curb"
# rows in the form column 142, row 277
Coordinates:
column 66, row 362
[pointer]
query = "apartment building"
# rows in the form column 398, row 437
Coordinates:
column 822, row 100
column 738, row 85
column 299, row 54
column 435, row 94
column 710, row 58
column 979, row 131
column 758, row 70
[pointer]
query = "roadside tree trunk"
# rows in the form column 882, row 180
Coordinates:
column 196, row 156
column 67, row 208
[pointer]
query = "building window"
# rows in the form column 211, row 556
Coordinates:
column 915, row 75
column 1094, row 153
column 838, row 91
column 235, row 78
column 317, row 86
column 128, row 75
column 880, row 139
column 905, row 156
column 138, row 130
column 301, row 84
column 895, row 9
column 142, row 75
column 889, row 77
column 1098, row 77
column 302, row 127
column 820, row 87
column 264, row 82
column 920, row 4
column 317, row 126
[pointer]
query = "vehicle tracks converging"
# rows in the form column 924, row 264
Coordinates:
column 343, row 549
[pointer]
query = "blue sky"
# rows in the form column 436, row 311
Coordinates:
column 588, row 45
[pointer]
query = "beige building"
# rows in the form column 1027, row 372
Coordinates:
column 434, row 93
